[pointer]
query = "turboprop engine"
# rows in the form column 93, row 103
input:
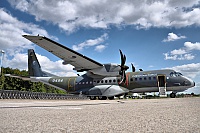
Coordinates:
column 107, row 70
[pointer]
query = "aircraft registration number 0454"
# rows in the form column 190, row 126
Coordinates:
column 57, row 80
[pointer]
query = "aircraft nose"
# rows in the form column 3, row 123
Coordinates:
column 193, row 83
column 189, row 82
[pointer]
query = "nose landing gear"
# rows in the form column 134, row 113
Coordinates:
column 172, row 95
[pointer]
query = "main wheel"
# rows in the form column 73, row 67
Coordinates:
column 111, row 98
column 173, row 95
column 93, row 98
column 102, row 97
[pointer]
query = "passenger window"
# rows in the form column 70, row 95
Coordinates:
column 114, row 80
column 118, row 80
column 131, row 79
column 145, row 78
column 101, row 81
column 106, row 81
column 149, row 78
column 154, row 78
column 98, row 81
column 135, row 79
column 110, row 81
column 140, row 78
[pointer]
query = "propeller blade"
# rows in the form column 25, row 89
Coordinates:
column 123, row 78
column 133, row 68
column 122, row 58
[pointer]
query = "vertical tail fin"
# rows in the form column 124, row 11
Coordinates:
column 34, row 67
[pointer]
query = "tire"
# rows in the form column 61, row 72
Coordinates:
column 93, row 98
column 111, row 98
column 173, row 95
column 102, row 97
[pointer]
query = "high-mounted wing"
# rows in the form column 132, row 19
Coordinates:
column 69, row 56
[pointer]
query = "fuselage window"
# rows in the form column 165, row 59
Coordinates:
column 145, row 78
column 106, row 81
column 154, row 78
column 86, row 82
column 101, row 81
column 114, row 80
column 140, row 78
column 90, row 82
column 149, row 78
column 135, row 79
column 131, row 79
column 83, row 83
column 118, row 80
column 110, row 81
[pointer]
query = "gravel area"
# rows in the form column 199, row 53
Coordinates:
column 60, row 116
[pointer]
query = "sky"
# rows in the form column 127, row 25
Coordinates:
column 153, row 34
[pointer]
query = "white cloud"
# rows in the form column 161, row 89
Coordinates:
column 19, row 61
column 71, row 15
column 183, row 53
column 92, row 42
column 178, row 52
column 56, row 67
column 172, row 37
column 192, row 46
column 178, row 56
column 100, row 48
column 11, row 39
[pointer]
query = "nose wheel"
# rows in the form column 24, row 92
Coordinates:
column 172, row 95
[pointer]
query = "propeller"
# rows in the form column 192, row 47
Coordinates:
column 123, row 67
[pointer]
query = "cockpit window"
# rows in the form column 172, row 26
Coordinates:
column 175, row 74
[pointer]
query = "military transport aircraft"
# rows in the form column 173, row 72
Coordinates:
column 102, row 81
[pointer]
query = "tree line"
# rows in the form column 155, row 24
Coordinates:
column 12, row 83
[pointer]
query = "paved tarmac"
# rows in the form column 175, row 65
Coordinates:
column 134, row 116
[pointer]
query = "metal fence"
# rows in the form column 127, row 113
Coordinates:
column 13, row 94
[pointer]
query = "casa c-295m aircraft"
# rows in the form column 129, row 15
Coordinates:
column 102, row 81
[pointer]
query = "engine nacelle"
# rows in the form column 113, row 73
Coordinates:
column 107, row 70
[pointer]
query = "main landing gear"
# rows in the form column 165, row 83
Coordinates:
column 101, row 97
column 172, row 95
